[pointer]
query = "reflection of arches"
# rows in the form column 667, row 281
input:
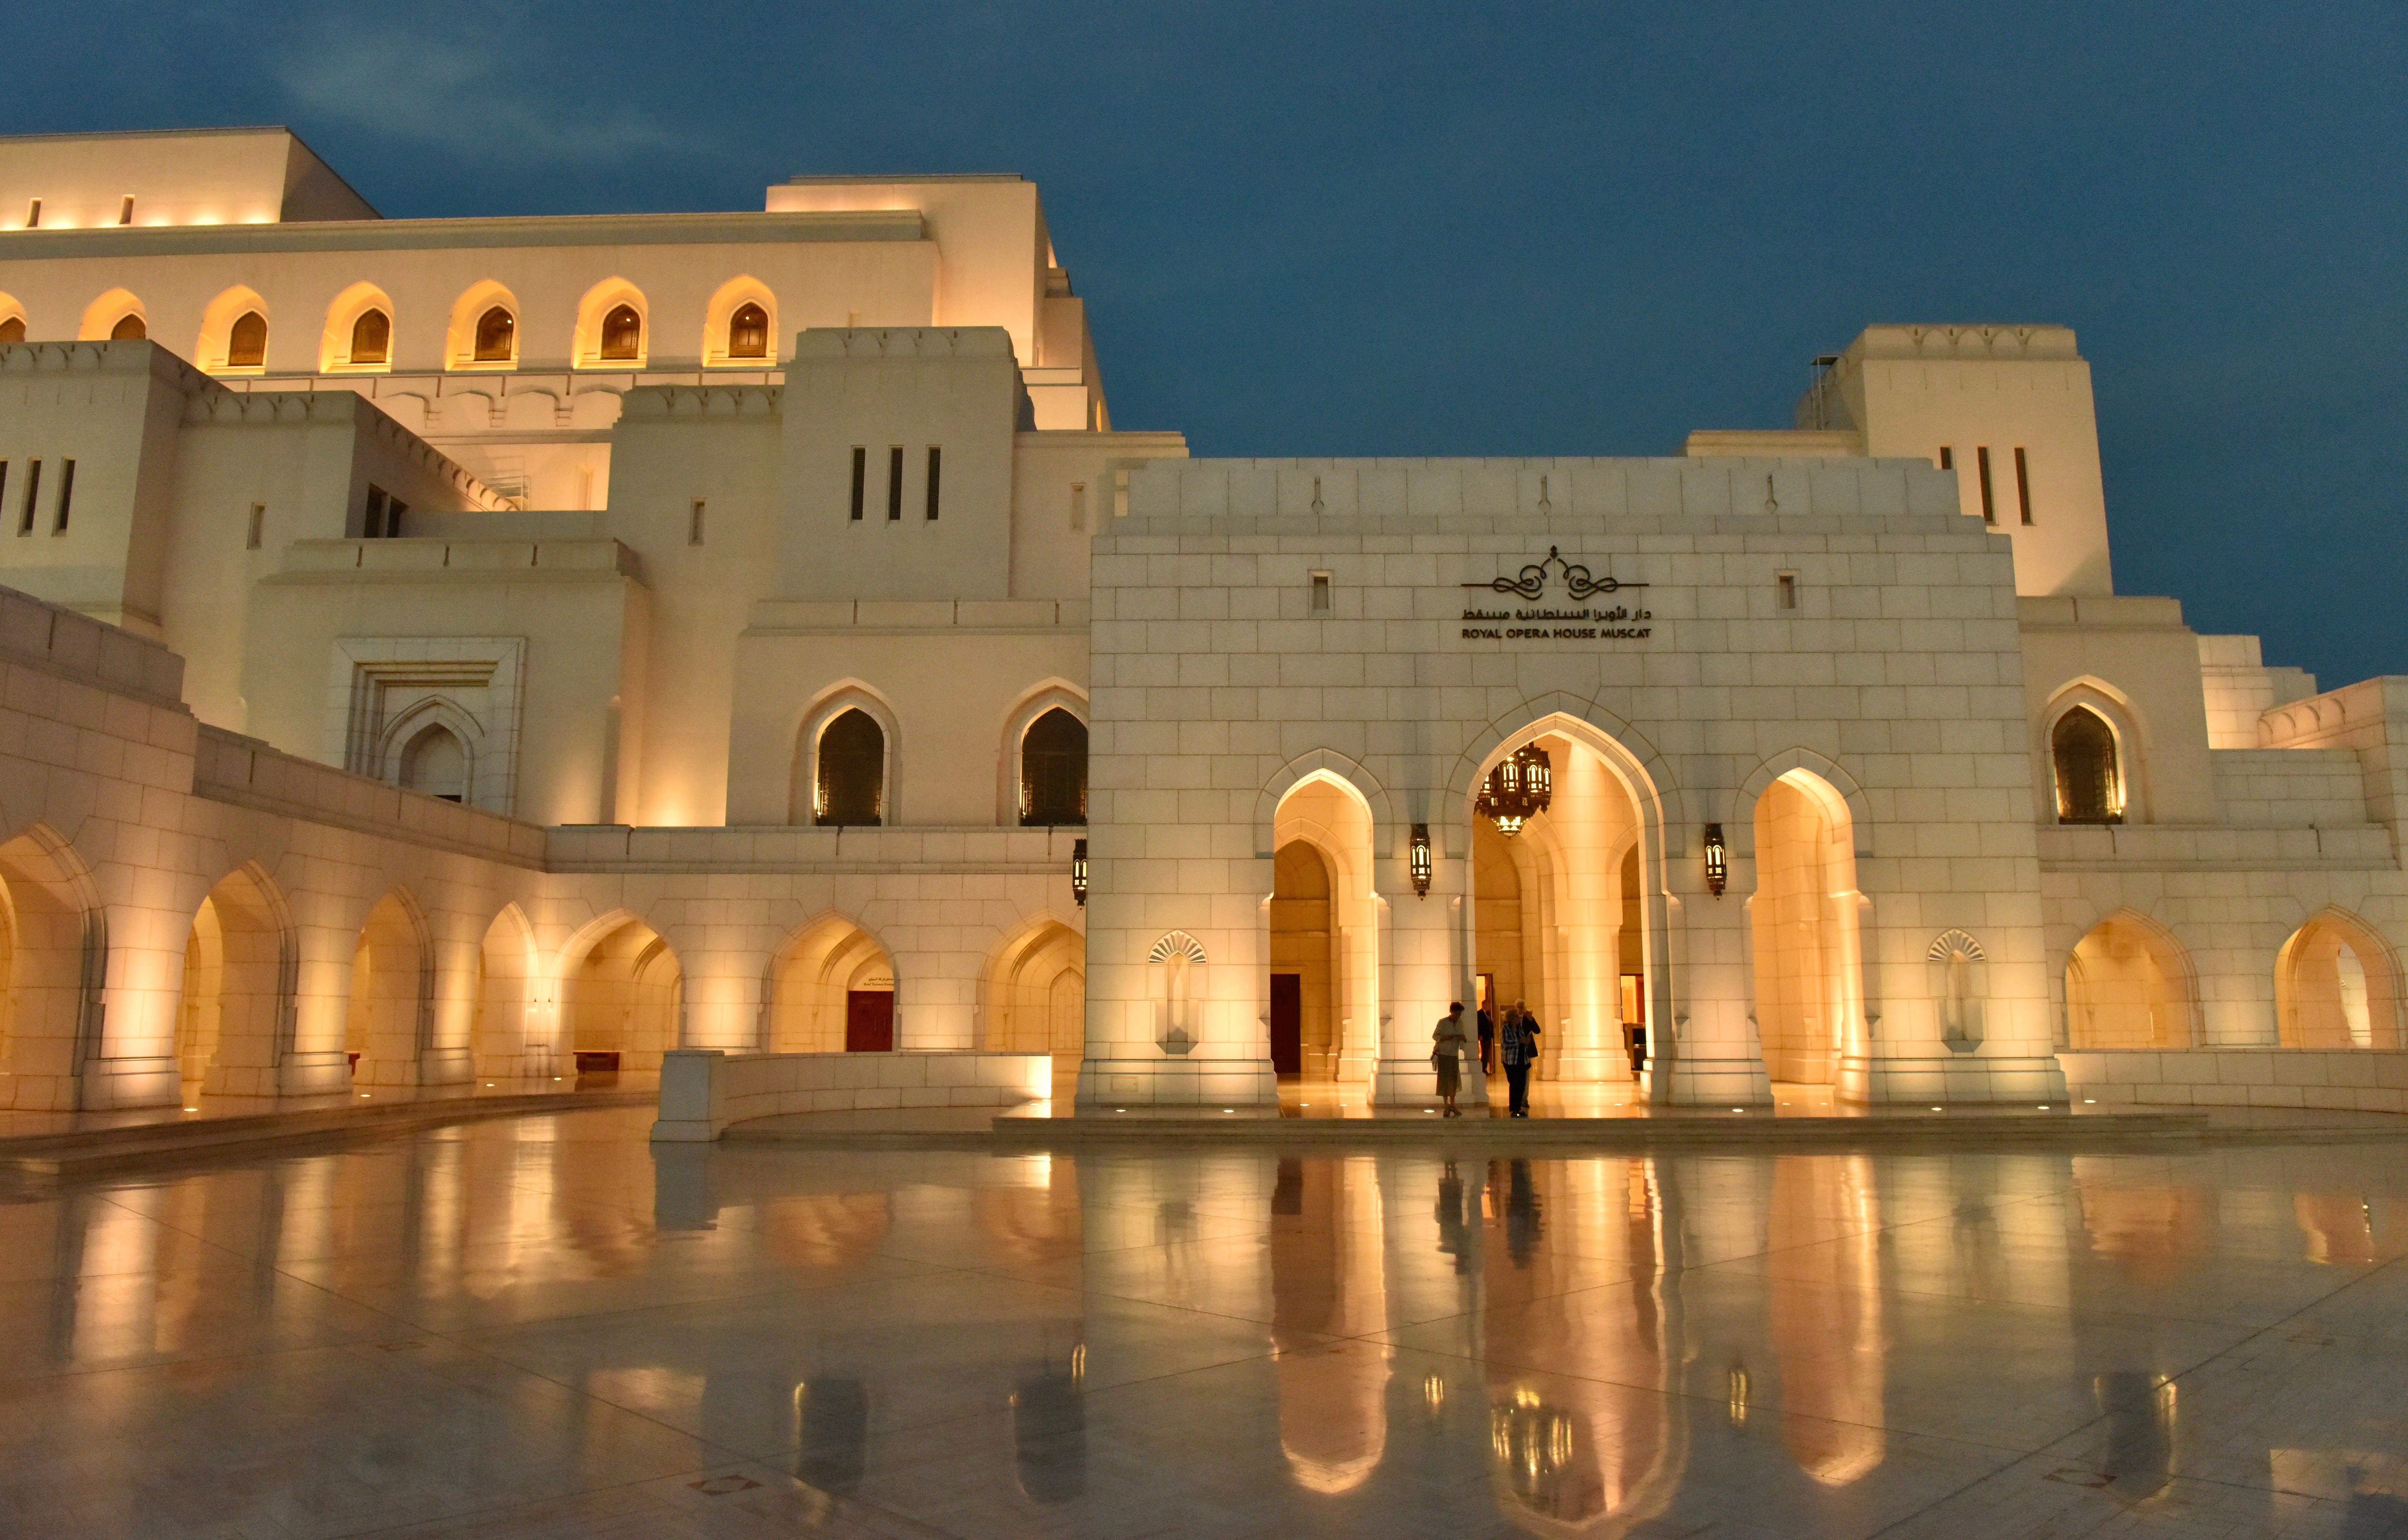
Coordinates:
column 1803, row 927
column 56, row 950
column 1825, row 1314
column 622, row 992
column 1324, row 925
column 1036, row 995
column 234, row 332
column 387, row 1024
column 812, row 981
column 359, row 330
column 2336, row 986
column 2128, row 984
column 611, row 324
column 475, row 337
column 105, row 319
column 240, row 968
column 502, row 1030
column 1328, row 1280
column 742, row 315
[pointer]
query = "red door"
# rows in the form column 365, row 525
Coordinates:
column 1288, row 1024
column 870, row 1021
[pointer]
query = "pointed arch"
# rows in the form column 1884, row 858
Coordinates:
column 722, row 338
column 341, row 345
column 1032, row 992
column 1047, row 695
column 813, row 994
column 234, row 1022
column 2337, row 984
column 848, row 695
column 1739, row 823
column 1387, row 833
column 1329, row 942
column 57, row 961
column 469, row 342
column 1805, row 931
column 2126, row 727
column 507, row 1038
column 613, row 327
column 12, row 319
column 104, row 316
column 2129, row 984
column 621, row 994
column 389, row 1022
column 233, row 332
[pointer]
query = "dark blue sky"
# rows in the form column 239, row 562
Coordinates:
column 1574, row 229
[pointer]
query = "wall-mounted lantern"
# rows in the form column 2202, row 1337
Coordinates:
column 1717, row 861
column 1421, row 861
column 1078, row 872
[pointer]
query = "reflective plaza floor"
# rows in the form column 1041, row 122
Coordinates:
column 536, row 1326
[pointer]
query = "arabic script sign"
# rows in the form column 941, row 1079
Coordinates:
column 1623, row 622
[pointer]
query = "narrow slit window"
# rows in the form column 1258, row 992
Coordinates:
column 1786, row 588
column 125, row 209
column 32, row 213
column 895, row 483
column 2023, row 486
column 66, row 497
column 1322, row 597
column 1948, row 457
column 4, row 481
column 1982, row 474
column 693, row 525
column 258, row 527
column 1078, row 505
column 372, row 521
column 860, row 476
column 936, row 463
column 33, row 490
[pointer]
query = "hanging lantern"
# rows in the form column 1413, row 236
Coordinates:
column 1520, row 787
column 1420, row 858
column 1078, row 872
column 1717, row 861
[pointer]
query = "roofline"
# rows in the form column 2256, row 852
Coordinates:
column 502, row 231
column 902, row 178
column 204, row 133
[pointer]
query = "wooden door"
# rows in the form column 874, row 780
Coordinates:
column 870, row 1021
column 1287, row 1025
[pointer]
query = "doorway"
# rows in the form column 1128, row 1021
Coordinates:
column 870, row 1021
column 1287, row 1025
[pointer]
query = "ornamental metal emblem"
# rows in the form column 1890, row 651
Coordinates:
column 1532, row 581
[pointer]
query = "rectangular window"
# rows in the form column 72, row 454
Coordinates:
column 936, row 461
column 860, row 476
column 393, row 512
column 895, row 483
column 1981, row 473
column 1321, row 593
column 1947, row 458
column 33, row 490
column 67, row 497
column 2023, row 486
column 126, row 210
column 258, row 526
column 1078, row 502
column 372, row 521
column 693, row 525
column 1787, row 587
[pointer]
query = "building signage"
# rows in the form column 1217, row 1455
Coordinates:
column 1590, row 623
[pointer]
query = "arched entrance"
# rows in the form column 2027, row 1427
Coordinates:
column 1323, row 941
column 1036, row 998
column 50, row 959
column 2336, row 987
column 623, row 996
column 502, row 1032
column 1803, row 930
column 831, row 990
column 238, row 968
column 1560, row 915
column 2128, row 986
column 385, row 1024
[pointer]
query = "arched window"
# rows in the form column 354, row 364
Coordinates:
column 497, row 335
column 2089, row 789
column 246, row 341
column 622, row 332
column 1053, row 771
column 748, row 332
column 852, row 770
column 436, row 763
column 372, row 338
column 128, row 329
column 12, row 329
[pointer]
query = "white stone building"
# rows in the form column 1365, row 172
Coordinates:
column 441, row 647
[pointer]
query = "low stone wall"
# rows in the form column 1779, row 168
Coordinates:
column 703, row 1090
column 2339, row 1079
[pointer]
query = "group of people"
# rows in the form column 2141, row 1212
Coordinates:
column 1513, row 1043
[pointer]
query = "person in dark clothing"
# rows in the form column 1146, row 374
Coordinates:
column 1517, row 1048
column 1487, row 1042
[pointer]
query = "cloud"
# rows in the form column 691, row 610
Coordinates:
column 452, row 92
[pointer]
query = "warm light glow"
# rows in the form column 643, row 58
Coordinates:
column 1421, row 861
column 1717, row 861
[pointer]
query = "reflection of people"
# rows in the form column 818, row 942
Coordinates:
column 1517, row 1046
column 1522, row 1226
column 1454, row 1232
column 1487, row 1041
column 1446, row 1057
